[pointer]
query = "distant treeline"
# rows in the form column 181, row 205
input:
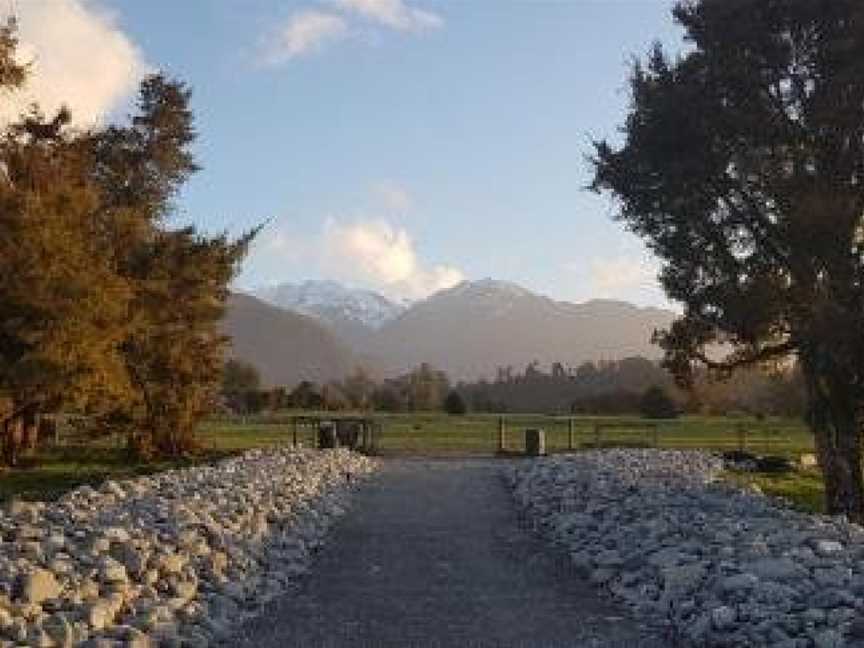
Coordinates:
column 423, row 389
column 615, row 387
column 618, row 387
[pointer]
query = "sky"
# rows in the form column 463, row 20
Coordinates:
column 400, row 145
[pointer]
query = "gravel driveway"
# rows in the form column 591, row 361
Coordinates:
column 433, row 553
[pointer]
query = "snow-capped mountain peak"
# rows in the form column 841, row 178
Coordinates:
column 333, row 302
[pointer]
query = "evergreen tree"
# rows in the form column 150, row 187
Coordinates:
column 238, row 380
column 742, row 166
column 12, row 73
column 63, row 309
column 103, row 306
column 175, row 355
column 174, row 350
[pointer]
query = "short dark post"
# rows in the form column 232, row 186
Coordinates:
column 535, row 442
column 501, row 434
column 374, row 429
column 596, row 435
column 742, row 437
column 655, row 435
column 294, row 431
column 327, row 437
column 571, row 434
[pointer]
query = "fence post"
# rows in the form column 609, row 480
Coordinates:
column 596, row 435
column 655, row 435
column 294, row 431
column 571, row 441
column 535, row 442
column 501, row 428
column 742, row 437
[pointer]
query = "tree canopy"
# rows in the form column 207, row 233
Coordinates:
column 742, row 167
column 104, row 307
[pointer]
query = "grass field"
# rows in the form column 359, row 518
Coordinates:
column 435, row 432
column 62, row 468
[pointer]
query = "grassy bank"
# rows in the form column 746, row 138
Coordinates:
column 802, row 489
column 62, row 468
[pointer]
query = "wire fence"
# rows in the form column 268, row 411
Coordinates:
column 434, row 432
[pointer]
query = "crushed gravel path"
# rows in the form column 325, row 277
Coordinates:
column 434, row 553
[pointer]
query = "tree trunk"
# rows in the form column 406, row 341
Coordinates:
column 13, row 430
column 47, row 431
column 29, row 430
column 834, row 420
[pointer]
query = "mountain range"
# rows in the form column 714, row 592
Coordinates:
column 320, row 330
column 351, row 314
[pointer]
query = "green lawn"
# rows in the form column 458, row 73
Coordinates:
column 60, row 469
column 803, row 489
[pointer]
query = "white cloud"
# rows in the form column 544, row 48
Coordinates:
column 393, row 196
column 611, row 277
column 305, row 32
column 384, row 256
column 309, row 30
column 369, row 252
column 630, row 275
column 80, row 57
column 394, row 14
column 376, row 249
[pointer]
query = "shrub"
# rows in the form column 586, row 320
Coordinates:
column 656, row 404
column 455, row 404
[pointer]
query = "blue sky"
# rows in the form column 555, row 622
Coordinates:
column 398, row 144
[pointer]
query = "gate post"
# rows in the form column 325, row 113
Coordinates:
column 500, row 434
column 294, row 430
column 535, row 442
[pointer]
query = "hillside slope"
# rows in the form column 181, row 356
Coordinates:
column 286, row 347
column 475, row 327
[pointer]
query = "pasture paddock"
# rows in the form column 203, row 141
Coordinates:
column 436, row 433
